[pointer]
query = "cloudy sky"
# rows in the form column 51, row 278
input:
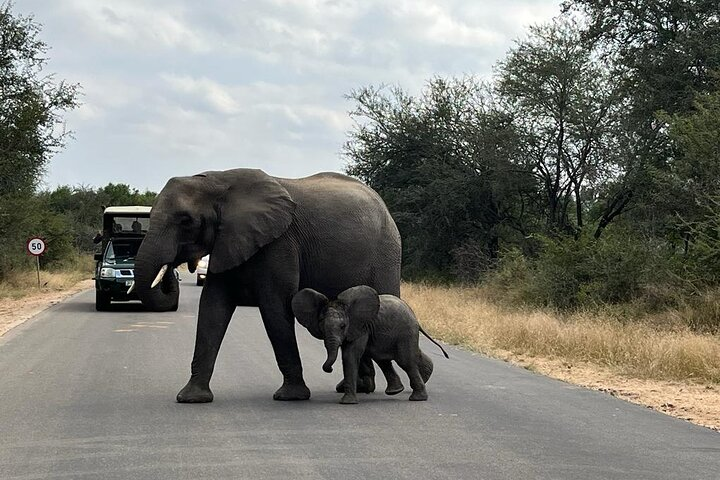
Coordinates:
column 177, row 87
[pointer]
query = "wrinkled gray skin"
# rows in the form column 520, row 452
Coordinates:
column 362, row 323
column 267, row 238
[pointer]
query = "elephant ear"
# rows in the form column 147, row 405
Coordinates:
column 254, row 211
column 363, row 304
column 307, row 306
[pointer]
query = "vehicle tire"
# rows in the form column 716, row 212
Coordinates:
column 102, row 301
column 199, row 282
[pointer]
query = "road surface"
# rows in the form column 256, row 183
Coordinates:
column 89, row 395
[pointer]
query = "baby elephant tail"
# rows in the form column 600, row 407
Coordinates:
column 433, row 340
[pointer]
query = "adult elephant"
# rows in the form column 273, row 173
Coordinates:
column 267, row 238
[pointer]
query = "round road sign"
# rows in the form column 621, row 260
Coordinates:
column 36, row 246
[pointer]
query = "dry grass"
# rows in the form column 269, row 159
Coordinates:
column 21, row 284
column 463, row 316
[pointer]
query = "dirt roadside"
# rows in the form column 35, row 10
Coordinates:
column 695, row 403
column 699, row 404
column 14, row 312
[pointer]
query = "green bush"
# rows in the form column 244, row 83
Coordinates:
column 22, row 218
column 585, row 272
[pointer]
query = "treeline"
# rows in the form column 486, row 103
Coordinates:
column 67, row 218
column 32, row 104
column 586, row 172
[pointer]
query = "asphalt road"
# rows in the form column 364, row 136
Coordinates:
column 87, row 395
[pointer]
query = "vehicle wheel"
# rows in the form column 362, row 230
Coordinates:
column 199, row 282
column 102, row 301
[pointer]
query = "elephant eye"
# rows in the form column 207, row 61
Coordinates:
column 186, row 220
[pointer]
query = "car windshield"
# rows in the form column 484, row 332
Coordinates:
column 130, row 225
column 119, row 251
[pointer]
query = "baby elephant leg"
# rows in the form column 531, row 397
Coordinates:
column 425, row 365
column 394, row 384
column 351, row 357
column 416, row 382
column 365, row 377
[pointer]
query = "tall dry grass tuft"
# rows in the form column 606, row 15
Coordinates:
column 22, row 283
column 461, row 315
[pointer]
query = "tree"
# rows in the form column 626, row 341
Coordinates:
column 670, row 49
column 441, row 163
column 566, row 106
column 31, row 104
column 31, row 131
column 664, row 53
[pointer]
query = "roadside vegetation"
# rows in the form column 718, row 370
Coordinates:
column 21, row 283
column 569, row 206
column 660, row 347
column 32, row 129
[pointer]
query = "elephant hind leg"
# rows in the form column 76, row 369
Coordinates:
column 394, row 384
column 425, row 366
column 416, row 382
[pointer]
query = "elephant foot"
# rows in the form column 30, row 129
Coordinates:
column 364, row 385
column 418, row 396
column 292, row 391
column 394, row 389
column 192, row 393
column 349, row 399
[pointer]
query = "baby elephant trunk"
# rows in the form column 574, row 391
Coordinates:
column 332, row 346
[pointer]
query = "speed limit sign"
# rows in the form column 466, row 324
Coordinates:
column 36, row 246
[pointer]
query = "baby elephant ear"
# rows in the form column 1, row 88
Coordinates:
column 307, row 305
column 363, row 304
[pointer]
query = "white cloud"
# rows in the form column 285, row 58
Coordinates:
column 179, row 86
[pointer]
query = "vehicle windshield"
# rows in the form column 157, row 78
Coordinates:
column 136, row 225
column 121, row 251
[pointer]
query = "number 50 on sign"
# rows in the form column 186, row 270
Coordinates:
column 36, row 246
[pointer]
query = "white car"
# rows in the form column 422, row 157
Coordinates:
column 201, row 271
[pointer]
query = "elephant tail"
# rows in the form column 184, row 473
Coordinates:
column 433, row 340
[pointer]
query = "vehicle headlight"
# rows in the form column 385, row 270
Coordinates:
column 107, row 272
column 202, row 264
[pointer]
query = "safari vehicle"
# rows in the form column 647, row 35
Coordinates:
column 123, row 231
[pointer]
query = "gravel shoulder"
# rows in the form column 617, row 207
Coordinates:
column 693, row 402
column 14, row 312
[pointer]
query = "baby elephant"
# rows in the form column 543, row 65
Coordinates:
column 362, row 322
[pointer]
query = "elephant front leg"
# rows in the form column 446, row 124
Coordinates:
column 216, row 310
column 365, row 377
column 279, row 324
column 351, row 355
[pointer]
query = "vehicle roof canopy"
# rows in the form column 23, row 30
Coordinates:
column 129, row 211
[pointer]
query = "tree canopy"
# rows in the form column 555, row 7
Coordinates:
column 588, row 163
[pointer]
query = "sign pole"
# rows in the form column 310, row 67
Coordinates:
column 36, row 246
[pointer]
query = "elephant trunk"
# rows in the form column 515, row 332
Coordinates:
column 332, row 346
column 158, row 292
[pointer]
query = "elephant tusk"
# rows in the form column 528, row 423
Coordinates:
column 132, row 287
column 159, row 276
